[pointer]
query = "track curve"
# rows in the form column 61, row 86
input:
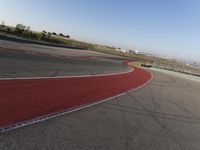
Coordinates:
column 31, row 100
column 28, row 60
column 165, row 114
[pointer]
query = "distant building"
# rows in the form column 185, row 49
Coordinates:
column 118, row 49
column 134, row 51
column 121, row 50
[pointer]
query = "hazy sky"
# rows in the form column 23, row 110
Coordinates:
column 164, row 27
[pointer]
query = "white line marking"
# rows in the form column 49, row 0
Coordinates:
column 69, row 110
column 61, row 77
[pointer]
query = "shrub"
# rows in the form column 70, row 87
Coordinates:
column 20, row 28
column 67, row 36
column 8, row 30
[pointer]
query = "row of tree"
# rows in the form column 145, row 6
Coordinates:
column 54, row 33
column 25, row 30
column 20, row 28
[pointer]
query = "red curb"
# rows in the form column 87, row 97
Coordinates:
column 25, row 99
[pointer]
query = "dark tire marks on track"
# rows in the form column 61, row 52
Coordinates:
column 163, row 115
column 166, row 129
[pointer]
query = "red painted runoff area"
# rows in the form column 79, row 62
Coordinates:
column 25, row 99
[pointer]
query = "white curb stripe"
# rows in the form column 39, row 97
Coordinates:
column 61, row 77
column 56, row 114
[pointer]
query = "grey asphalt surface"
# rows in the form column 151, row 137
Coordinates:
column 164, row 115
column 18, row 60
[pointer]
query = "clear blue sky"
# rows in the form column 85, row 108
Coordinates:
column 164, row 27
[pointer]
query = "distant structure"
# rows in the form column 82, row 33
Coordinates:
column 166, row 57
column 134, row 51
column 121, row 50
column 127, row 51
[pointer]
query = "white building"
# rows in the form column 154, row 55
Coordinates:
column 134, row 51
column 121, row 50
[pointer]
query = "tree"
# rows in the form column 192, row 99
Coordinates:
column 61, row 34
column 43, row 35
column 67, row 36
column 54, row 33
column 20, row 28
column 8, row 29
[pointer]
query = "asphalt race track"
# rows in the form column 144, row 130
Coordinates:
column 165, row 114
column 28, row 98
column 29, row 60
